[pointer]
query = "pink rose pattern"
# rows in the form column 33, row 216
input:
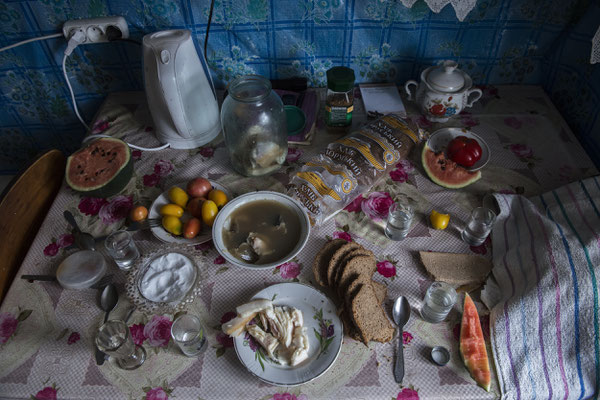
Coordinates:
column 482, row 248
column 137, row 334
column 91, row 205
column 162, row 168
column 288, row 396
column 386, row 269
column 219, row 260
column 158, row 331
column 513, row 122
column 136, row 154
column 116, row 210
column 377, row 205
column 8, row 326
column 289, row 270
column 100, row 127
column 228, row 316
column 400, row 173
column 151, row 180
column 73, row 338
column 207, row 152
column 47, row 393
column 51, row 250
column 406, row 337
column 224, row 340
column 342, row 235
column 521, row 150
column 293, row 154
column 355, row 205
column 408, row 394
column 157, row 393
column 65, row 240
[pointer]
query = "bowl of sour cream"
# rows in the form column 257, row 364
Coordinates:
column 165, row 279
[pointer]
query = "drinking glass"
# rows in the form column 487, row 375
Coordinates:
column 478, row 226
column 114, row 339
column 399, row 220
column 439, row 300
column 188, row 333
column 122, row 249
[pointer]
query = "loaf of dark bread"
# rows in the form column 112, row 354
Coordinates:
column 321, row 262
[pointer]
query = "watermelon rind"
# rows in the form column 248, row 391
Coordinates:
column 111, row 187
column 436, row 178
column 472, row 345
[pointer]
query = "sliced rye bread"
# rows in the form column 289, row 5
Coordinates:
column 321, row 262
column 369, row 316
column 349, row 328
column 362, row 266
column 336, row 258
column 361, row 251
column 466, row 270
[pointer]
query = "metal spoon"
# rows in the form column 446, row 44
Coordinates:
column 108, row 301
column 401, row 314
column 83, row 240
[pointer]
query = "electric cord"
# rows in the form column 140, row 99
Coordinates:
column 133, row 146
column 74, row 41
column 54, row 35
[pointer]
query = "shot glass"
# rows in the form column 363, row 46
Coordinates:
column 187, row 331
column 439, row 300
column 114, row 339
column 122, row 249
column 478, row 226
column 399, row 220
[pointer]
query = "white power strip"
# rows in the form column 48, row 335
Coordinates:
column 95, row 28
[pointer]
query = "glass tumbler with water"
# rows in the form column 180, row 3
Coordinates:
column 478, row 226
column 187, row 331
column 114, row 338
column 439, row 300
column 122, row 249
column 399, row 220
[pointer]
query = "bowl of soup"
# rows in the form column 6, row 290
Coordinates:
column 261, row 230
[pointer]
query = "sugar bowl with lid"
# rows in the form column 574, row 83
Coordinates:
column 444, row 91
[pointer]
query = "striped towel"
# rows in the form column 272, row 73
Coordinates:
column 546, row 261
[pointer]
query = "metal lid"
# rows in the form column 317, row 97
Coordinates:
column 295, row 120
column 340, row 79
column 440, row 355
column 446, row 77
column 81, row 270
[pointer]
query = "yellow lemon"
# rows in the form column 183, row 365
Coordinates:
column 171, row 210
column 172, row 225
column 219, row 197
column 209, row 212
column 439, row 221
column 178, row 196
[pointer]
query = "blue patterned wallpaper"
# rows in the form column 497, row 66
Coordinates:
column 542, row 42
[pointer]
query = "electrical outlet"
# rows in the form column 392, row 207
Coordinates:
column 95, row 28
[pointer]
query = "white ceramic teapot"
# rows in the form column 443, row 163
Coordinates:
column 444, row 91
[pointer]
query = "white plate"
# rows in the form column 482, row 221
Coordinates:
column 439, row 140
column 311, row 302
column 160, row 233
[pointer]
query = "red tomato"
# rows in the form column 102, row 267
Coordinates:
column 199, row 187
column 464, row 151
column 191, row 228
column 194, row 206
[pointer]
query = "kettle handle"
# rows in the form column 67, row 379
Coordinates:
column 165, row 68
column 476, row 97
column 407, row 86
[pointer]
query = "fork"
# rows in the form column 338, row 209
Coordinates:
column 136, row 226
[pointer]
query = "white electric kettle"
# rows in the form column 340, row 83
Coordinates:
column 181, row 100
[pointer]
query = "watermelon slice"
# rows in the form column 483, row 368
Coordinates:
column 472, row 345
column 101, row 169
column 446, row 172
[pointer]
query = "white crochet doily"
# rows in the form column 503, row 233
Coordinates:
column 596, row 47
column 461, row 7
column 150, row 307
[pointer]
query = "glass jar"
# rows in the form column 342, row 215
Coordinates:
column 339, row 102
column 254, row 126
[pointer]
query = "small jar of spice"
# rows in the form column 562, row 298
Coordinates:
column 339, row 103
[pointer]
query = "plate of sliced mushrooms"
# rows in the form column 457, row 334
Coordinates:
column 287, row 334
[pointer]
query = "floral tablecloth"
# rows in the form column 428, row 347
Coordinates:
column 46, row 333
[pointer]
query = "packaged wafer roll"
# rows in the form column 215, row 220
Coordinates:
column 351, row 166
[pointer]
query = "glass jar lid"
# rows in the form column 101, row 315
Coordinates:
column 446, row 77
column 340, row 79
